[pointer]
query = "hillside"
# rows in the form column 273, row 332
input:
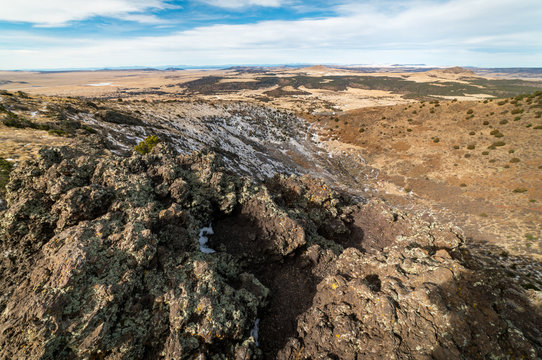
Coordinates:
column 478, row 163
column 251, row 232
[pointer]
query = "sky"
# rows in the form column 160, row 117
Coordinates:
column 70, row 34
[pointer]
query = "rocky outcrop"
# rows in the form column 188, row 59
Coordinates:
column 101, row 259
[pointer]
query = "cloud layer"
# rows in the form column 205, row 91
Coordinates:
column 458, row 32
column 61, row 12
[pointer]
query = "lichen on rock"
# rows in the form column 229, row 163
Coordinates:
column 101, row 259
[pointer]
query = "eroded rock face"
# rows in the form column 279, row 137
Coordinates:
column 101, row 259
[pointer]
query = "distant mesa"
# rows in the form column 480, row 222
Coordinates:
column 316, row 68
column 456, row 70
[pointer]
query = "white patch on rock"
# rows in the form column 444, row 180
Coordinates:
column 255, row 331
column 203, row 239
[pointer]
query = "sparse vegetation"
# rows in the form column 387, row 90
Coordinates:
column 514, row 160
column 519, row 190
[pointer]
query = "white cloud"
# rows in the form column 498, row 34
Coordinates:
column 490, row 33
column 235, row 4
column 52, row 13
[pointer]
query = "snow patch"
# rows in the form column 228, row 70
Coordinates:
column 255, row 331
column 101, row 84
column 203, row 239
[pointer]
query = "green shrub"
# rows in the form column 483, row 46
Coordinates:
column 467, row 156
column 436, row 140
column 538, row 127
column 471, row 146
column 496, row 133
column 502, row 122
column 511, row 151
column 361, row 130
column 517, row 118
column 5, row 169
column 519, row 190
column 57, row 132
column 456, row 147
column 517, row 111
column 472, row 133
column 409, row 130
column 12, row 120
column 470, row 111
column 485, row 152
column 145, row 146
column 502, row 102
column 463, row 185
column 486, row 122
column 514, row 160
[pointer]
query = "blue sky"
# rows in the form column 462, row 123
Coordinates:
column 53, row 34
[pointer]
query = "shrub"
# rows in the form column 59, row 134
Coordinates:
column 517, row 118
column 361, row 130
column 496, row 133
column 5, row 169
column 519, row 190
column 502, row 122
column 463, row 185
column 471, row 146
column 485, row 152
column 12, row 120
column 511, row 151
column 145, row 146
column 538, row 127
column 57, row 132
column 470, row 111
column 502, row 102
column 456, row 147
column 436, row 140
column 486, row 122
column 483, row 215
column 514, row 160
column 409, row 130
column 467, row 156
column 516, row 111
